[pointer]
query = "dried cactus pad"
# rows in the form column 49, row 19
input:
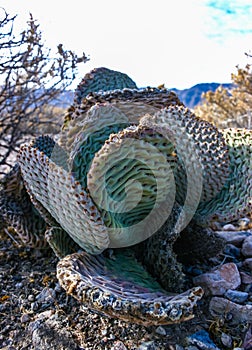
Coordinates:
column 18, row 212
column 120, row 287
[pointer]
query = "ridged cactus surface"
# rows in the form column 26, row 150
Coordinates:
column 131, row 168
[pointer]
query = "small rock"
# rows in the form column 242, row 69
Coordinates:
column 229, row 227
column 25, row 318
column 201, row 340
column 118, row 345
column 30, row 297
column 34, row 306
column 19, row 285
column 238, row 313
column 193, row 270
column 234, row 237
column 246, row 278
column 248, row 263
column 160, row 330
column 247, row 343
column 58, row 288
column 48, row 333
column 179, row 347
column 104, row 340
column 47, row 295
column 247, row 247
column 226, row 340
column 236, row 296
column 243, row 223
column 248, row 289
column 148, row 345
column 104, row 331
column 218, row 281
column 232, row 250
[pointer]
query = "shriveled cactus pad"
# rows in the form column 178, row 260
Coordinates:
column 121, row 287
column 131, row 169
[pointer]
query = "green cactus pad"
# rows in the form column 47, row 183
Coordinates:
column 131, row 182
column 64, row 199
column 102, row 79
column 235, row 199
column 200, row 147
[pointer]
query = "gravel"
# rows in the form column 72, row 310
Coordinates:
column 36, row 313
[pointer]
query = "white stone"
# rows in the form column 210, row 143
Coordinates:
column 229, row 227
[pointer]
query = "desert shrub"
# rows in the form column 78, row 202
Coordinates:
column 32, row 78
column 230, row 107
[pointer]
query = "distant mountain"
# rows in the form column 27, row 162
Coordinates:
column 192, row 96
column 64, row 100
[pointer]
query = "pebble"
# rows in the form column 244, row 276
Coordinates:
column 232, row 250
column 218, row 281
column 236, row 296
column 193, row 270
column 247, row 247
column 25, row 318
column 246, row 278
column 47, row 295
column 118, row 345
column 248, row 263
column 149, row 345
column 247, row 342
column 243, row 223
column 160, row 330
column 179, row 347
column 19, row 285
column 234, row 237
column 229, row 227
column 31, row 297
column 104, row 331
column 34, row 306
column 226, row 340
column 46, row 333
column 58, row 288
column 237, row 313
column 201, row 340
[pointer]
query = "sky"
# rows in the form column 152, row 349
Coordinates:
column 177, row 43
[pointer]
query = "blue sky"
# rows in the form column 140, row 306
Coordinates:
column 179, row 43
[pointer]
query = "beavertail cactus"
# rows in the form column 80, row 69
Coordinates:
column 135, row 171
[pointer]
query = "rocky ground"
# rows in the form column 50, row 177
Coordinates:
column 35, row 313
